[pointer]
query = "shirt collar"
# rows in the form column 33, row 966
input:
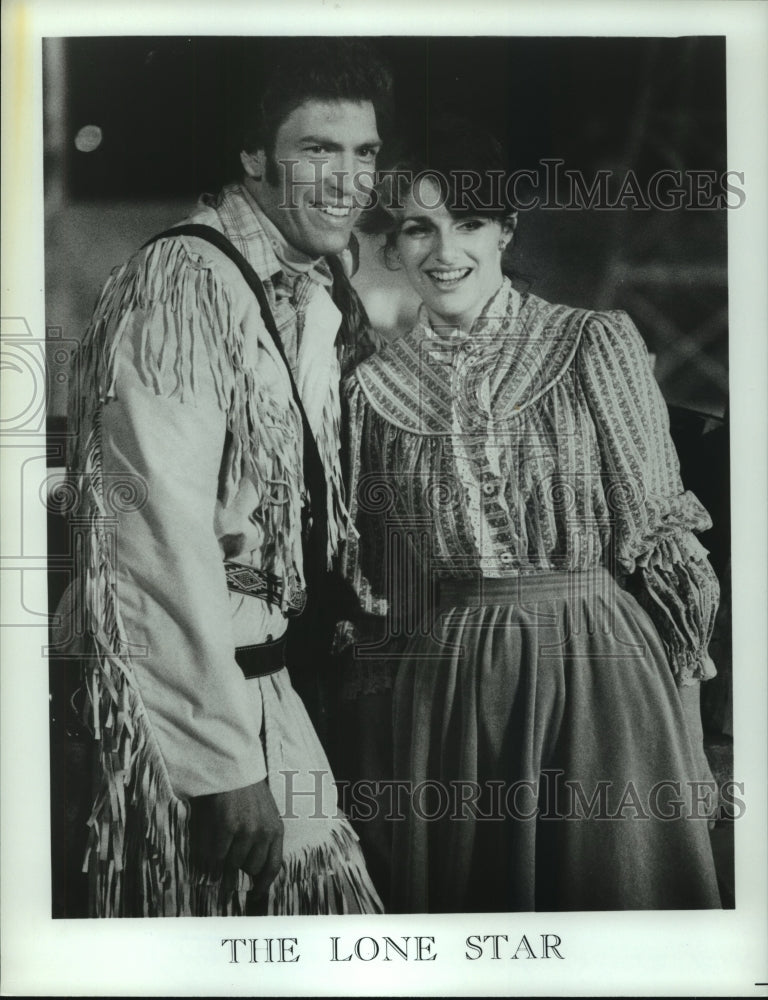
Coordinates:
column 290, row 259
column 260, row 241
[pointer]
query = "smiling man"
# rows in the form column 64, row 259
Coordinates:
column 315, row 178
column 210, row 381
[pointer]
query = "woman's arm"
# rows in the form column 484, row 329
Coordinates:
column 654, row 517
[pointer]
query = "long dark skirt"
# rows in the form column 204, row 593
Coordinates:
column 548, row 767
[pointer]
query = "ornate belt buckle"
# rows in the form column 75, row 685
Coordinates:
column 296, row 600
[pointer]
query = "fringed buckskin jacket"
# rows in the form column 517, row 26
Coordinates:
column 188, row 452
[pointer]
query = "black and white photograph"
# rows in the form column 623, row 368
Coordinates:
column 385, row 535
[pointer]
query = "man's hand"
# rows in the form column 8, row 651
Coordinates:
column 238, row 829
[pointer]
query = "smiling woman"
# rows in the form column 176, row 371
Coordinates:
column 452, row 262
column 525, row 537
column 447, row 222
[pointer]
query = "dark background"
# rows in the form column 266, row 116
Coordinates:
column 169, row 106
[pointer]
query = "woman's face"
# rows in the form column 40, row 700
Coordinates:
column 452, row 261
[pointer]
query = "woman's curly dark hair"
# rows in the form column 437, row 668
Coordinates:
column 466, row 164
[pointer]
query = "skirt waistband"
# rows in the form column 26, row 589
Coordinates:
column 544, row 586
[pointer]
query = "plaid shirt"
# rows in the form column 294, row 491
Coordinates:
column 262, row 245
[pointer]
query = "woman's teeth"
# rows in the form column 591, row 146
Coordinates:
column 449, row 277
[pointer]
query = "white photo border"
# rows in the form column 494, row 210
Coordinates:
column 620, row 954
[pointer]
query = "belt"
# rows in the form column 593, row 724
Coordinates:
column 253, row 582
column 546, row 585
column 262, row 659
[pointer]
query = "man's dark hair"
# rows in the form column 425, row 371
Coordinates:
column 320, row 69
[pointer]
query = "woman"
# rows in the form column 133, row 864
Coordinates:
column 550, row 645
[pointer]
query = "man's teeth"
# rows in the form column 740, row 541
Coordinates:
column 447, row 276
column 340, row 211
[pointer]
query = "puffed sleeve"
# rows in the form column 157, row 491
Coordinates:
column 163, row 424
column 654, row 518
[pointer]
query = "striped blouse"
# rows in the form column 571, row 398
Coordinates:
column 538, row 442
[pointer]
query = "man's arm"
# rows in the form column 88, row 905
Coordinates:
column 173, row 601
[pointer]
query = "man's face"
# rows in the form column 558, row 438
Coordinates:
column 325, row 154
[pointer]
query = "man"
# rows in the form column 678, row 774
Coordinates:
column 210, row 780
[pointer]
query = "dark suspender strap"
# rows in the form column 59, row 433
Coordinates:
column 314, row 472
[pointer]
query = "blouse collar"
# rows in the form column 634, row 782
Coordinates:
column 500, row 309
